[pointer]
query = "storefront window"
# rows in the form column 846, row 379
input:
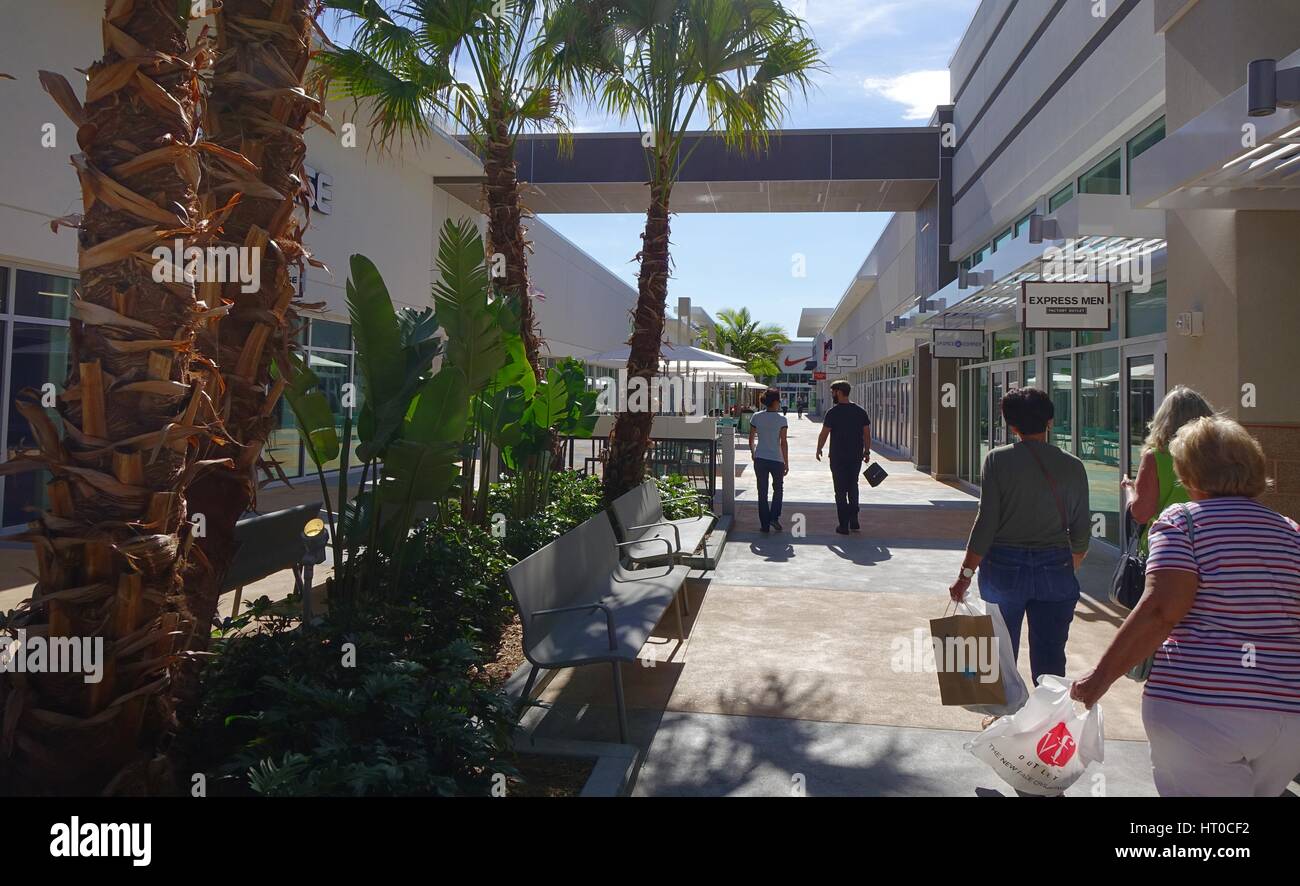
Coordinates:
column 1031, row 373
column 328, row 334
column 1144, row 140
column 1104, row 178
column 1060, row 370
column 1006, row 344
column 1145, row 311
column 40, row 356
column 1059, row 341
column 1001, row 239
column 1023, row 225
column 42, row 295
column 1099, row 433
column 982, row 419
column 1061, row 197
column 1029, row 343
column 1097, row 337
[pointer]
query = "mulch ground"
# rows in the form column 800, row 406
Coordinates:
column 544, row 776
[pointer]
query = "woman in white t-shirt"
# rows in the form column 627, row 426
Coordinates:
column 771, row 456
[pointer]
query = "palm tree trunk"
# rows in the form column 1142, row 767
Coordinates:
column 111, row 545
column 257, row 111
column 625, row 467
column 506, row 233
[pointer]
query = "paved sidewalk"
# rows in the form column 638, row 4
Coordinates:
column 786, row 669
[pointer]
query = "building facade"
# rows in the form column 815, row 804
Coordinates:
column 1094, row 142
column 385, row 206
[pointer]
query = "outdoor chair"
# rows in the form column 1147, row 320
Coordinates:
column 638, row 518
column 578, row 606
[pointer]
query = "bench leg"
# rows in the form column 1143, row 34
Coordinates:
column 528, row 689
column 681, row 625
column 618, row 702
column 234, row 608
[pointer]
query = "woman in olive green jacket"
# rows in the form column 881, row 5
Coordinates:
column 1157, row 486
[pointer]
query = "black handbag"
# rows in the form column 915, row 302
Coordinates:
column 1129, row 580
column 874, row 474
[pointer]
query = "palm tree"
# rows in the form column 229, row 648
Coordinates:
column 111, row 544
column 662, row 62
column 257, row 111
column 744, row 338
column 471, row 62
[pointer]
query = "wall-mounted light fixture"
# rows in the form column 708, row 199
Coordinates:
column 1190, row 323
column 966, row 279
column 932, row 305
column 1267, row 88
column 1042, row 228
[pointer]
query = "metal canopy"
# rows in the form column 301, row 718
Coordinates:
column 1204, row 165
column 826, row 170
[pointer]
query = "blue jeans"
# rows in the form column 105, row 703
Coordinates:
column 765, row 468
column 1038, row 584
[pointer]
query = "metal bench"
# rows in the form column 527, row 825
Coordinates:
column 578, row 606
column 267, row 544
column 638, row 519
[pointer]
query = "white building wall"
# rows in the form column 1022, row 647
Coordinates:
column 385, row 205
column 858, row 325
column 1119, row 85
column 583, row 308
column 37, row 183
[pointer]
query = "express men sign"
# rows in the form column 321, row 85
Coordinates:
column 1065, row 305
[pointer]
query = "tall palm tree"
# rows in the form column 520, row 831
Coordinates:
column 471, row 62
column 744, row 338
column 111, row 545
column 257, row 111
column 730, row 65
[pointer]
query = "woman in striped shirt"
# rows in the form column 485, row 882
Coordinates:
column 1221, row 611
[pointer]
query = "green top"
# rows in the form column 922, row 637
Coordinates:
column 1017, row 506
column 1172, row 492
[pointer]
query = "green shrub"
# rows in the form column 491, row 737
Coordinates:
column 680, row 497
column 288, row 711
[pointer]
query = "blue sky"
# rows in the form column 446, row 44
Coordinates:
column 887, row 65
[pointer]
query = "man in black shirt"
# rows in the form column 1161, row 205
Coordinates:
column 849, row 429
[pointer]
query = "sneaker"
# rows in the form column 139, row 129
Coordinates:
column 776, row 524
column 855, row 527
column 762, row 529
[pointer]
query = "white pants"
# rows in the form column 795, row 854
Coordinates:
column 1201, row 751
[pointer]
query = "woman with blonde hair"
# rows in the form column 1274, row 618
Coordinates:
column 1157, row 486
column 1221, row 613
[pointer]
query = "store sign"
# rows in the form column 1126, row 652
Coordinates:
column 320, row 186
column 1065, row 305
column 848, row 361
column 819, row 376
column 958, row 343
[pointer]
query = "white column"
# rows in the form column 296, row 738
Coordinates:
column 727, row 440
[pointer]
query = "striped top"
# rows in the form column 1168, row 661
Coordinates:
column 1239, row 645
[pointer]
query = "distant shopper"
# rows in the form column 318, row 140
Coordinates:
column 771, row 456
column 1157, row 485
column 849, row 429
column 800, row 405
column 1031, row 533
column 1221, row 612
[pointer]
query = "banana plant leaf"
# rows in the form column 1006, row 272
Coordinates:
column 311, row 411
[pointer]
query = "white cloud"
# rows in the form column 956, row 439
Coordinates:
column 920, row 91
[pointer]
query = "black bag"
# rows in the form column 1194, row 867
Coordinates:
column 1130, row 577
column 875, row 474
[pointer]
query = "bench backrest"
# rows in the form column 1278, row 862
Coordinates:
column 565, row 572
column 267, row 543
column 638, row 507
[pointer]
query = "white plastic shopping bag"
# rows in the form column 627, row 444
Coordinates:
column 1044, row 747
column 1014, row 685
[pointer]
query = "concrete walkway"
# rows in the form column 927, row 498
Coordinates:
column 790, row 678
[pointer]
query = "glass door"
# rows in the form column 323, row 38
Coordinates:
column 1005, row 378
column 1144, row 388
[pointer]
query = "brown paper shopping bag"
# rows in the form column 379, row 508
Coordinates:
column 966, row 660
